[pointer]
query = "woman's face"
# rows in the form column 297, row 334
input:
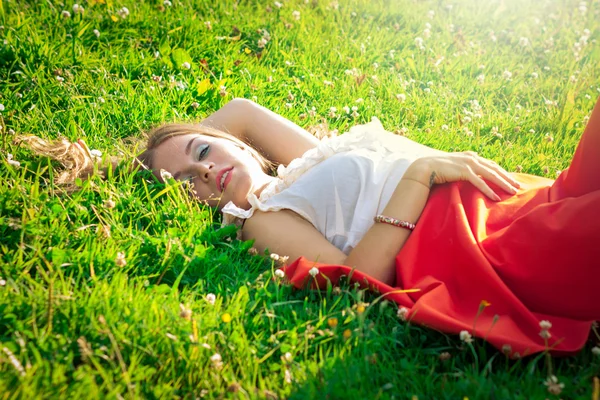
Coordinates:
column 219, row 170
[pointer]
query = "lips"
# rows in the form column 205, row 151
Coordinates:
column 220, row 177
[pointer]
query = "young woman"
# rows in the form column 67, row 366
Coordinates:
column 458, row 242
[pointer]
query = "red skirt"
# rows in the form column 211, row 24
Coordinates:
column 496, row 269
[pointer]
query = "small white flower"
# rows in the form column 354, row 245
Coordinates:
column 14, row 163
column 186, row 65
column 120, row 260
column 278, row 4
column 60, row 79
column 427, row 33
column 262, row 42
column 427, row 90
column 296, row 15
column 3, row 283
column 97, row 33
column 65, row 14
column 123, row 12
column 545, row 324
column 401, row 97
column 210, row 298
column 279, row 273
column 419, row 42
column 346, row 109
column 1, row 107
column 314, row 271
column 223, row 91
column 402, row 313
column 96, row 154
column 167, row 3
column 466, row 337
column 431, row 14
column 481, row 79
column 77, row 9
column 444, row 127
column 217, row 361
column 596, row 350
column 534, row 75
column 327, row 83
column 165, row 175
column 208, row 25
column 507, row 74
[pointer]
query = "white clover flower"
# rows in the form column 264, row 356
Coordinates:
column 3, row 283
column 186, row 65
column 14, row 163
column 314, row 271
column 466, row 337
column 427, row 33
column 120, row 260
column 279, row 273
column 278, row 4
column 217, row 361
column 427, row 25
column 1, row 107
column 431, row 14
column 507, row 74
column 123, row 12
column 210, row 298
column 167, row 3
column 596, row 351
column 208, row 25
column 296, row 15
column 60, row 79
column 427, row 90
column 402, row 313
column 327, row 83
column 346, row 109
column 534, row 75
column 97, row 33
column 444, row 127
column 419, row 42
column 262, row 42
column 401, row 97
column 96, row 154
column 165, row 175
column 481, row 79
column 545, row 324
column 77, row 9
column 223, row 91
column 65, row 14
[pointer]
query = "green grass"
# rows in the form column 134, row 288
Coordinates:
column 79, row 326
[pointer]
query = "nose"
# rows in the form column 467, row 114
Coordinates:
column 205, row 169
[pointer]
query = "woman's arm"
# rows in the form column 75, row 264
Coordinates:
column 279, row 139
column 285, row 233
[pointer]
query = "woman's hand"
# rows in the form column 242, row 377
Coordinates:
column 465, row 166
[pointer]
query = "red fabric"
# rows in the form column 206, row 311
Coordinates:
column 533, row 256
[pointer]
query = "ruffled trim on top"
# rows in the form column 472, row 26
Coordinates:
column 356, row 138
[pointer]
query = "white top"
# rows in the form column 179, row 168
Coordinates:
column 340, row 185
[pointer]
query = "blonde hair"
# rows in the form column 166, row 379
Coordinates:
column 78, row 162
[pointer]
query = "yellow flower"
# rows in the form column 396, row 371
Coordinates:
column 332, row 322
column 360, row 309
column 228, row 72
column 347, row 334
column 226, row 318
column 247, row 50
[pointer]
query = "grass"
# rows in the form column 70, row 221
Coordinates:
column 74, row 324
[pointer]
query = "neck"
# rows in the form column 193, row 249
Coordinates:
column 262, row 184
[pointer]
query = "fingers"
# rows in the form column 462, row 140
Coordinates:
column 500, row 171
column 493, row 176
column 480, row 184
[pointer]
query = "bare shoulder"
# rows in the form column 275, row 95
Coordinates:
column 288, row 234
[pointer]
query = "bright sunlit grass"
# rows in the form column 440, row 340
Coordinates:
column 127, row 288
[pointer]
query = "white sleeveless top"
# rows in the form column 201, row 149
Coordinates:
column 340, row 185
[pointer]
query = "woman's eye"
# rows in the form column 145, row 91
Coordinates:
column 203, row 151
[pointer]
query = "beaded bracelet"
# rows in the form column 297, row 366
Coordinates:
column 393, row 221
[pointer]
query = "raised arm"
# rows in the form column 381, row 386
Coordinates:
column 279, row 139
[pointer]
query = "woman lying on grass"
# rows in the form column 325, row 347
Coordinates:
column 459, row 243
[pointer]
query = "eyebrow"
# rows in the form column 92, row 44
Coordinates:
column 188, row 148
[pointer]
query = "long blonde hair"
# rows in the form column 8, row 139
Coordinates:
column 78, row 162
